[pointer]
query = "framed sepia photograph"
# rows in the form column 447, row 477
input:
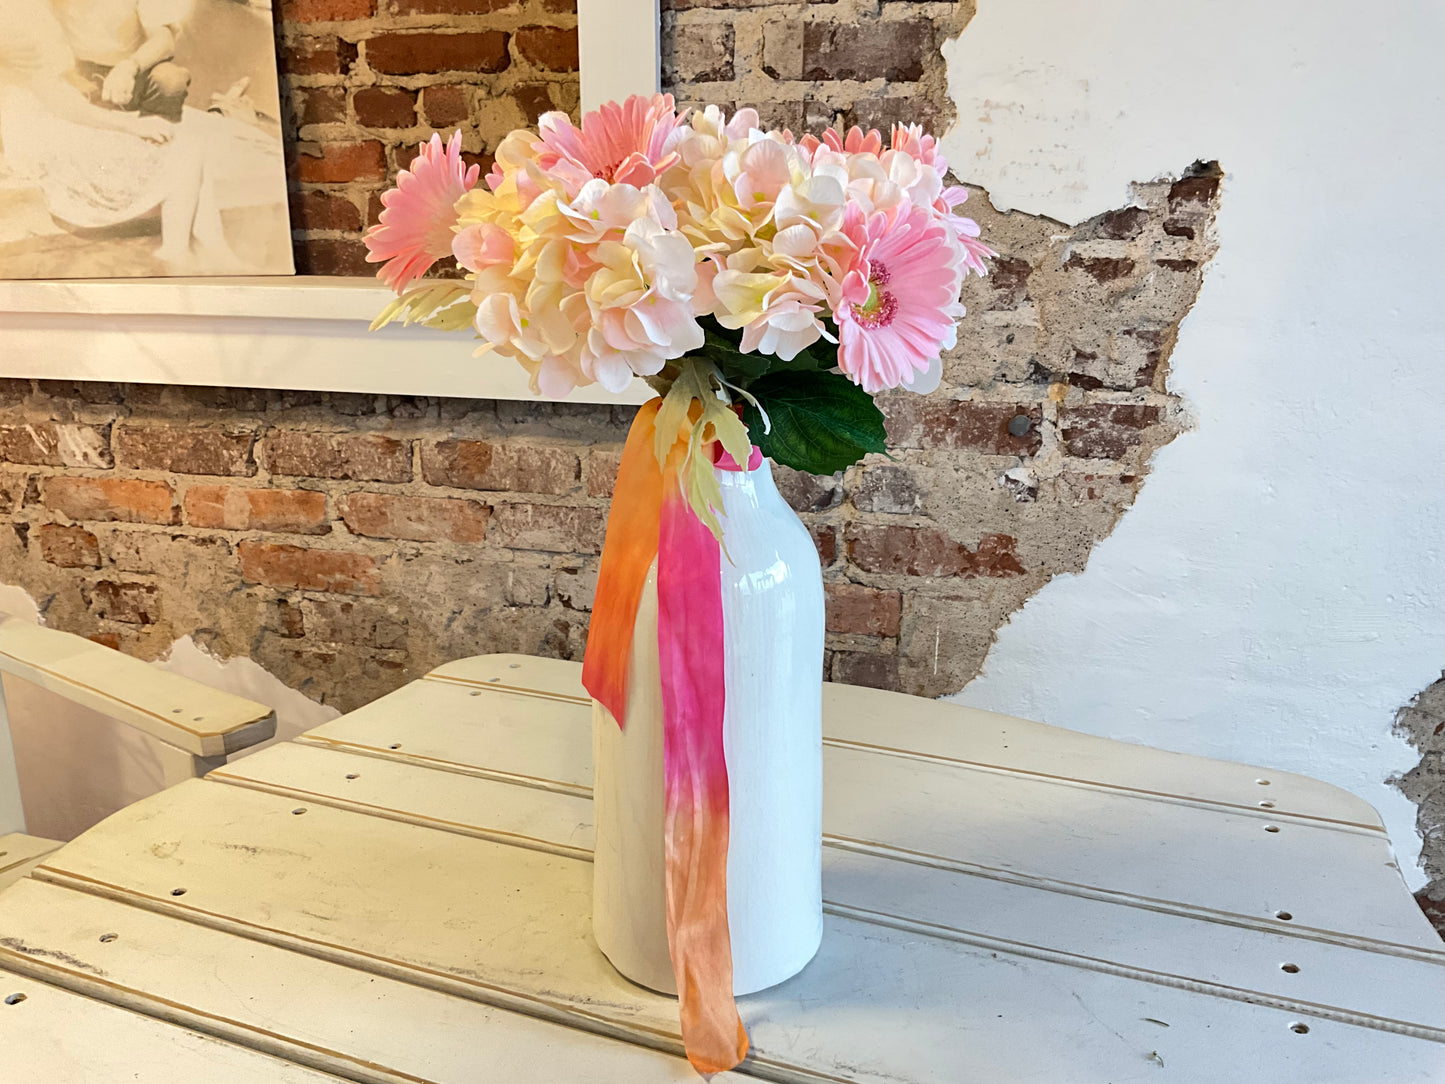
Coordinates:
column 140, row 138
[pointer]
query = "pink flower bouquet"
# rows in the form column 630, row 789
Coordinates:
column 766, row 287
column 791, row 277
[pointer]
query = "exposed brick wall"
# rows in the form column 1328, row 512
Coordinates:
column 364, row 81
column 349, row 543
column 808, row 65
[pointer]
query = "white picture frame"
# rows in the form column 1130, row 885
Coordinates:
column 306, row 333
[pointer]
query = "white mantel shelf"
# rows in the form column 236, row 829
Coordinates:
column 306, row 333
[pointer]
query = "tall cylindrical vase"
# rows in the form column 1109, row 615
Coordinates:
column 772, row 605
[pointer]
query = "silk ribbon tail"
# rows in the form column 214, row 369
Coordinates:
column 690, row 649
column 627, row 553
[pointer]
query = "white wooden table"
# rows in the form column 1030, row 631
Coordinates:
column 402, row 895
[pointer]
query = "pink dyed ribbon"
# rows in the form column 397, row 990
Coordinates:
column 695, row 781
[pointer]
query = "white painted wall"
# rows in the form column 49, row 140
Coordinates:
column 1277, row 591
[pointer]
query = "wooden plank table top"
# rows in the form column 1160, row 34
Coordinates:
column 403, row 895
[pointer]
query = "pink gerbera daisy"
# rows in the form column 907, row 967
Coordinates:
column 630, row 143
column 415, row 226
column 897, row 304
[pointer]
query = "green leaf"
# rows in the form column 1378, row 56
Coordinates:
column 723, row 347
column 821, row 422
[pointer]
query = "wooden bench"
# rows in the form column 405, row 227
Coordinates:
column 197, row 726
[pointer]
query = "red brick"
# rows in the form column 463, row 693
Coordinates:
column 185, row 451
column 338, row 163
column 13, row 488
column 889, row 489
column 320, row 105
column 235, row 508
column 406, row 155
column 825, row 538
column 160, row 551
column 1008, row 279
column 69, row 547
column 808, row 492
column 873, row 50
column 1148, row 346
column 284, row 617
column 299, row 568
column 323, row 211
column 424, row 53
column 1105, row 430
column 917, row 421
column 448, row 7
column 321, row 11
column 602, row 465
column 1125, row 224
column 333, row 256
column 863, row 668
column 348, row 621
column 47, row 444
column 883, row 113
column 519, row 468
column 319, row 55
column 132, row 603
column 534, row 99
column 1101, row 268
column 419, row 519
column 1197, row 189
column 550, row 527
column 445, row 105
column 385, row 107
column 122, row 500
column 361, row 457
column 554, row 48
column 693, row 53
column 864, row 610
column 925, row 551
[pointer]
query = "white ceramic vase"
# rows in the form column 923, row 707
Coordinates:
column 772, row 603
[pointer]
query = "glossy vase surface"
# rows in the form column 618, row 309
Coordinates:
column 772, row 604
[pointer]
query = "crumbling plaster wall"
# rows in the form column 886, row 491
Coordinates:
column 1276, row 593
column 346, row 544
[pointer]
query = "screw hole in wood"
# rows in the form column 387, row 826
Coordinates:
column 353, row 775
column 298, row 810
column 394, row 745
column 15, row 999
column 1300, row 1029
column 1262, row 782
column 178, row 892
column 107, row 938
column 1271, row 828
column 1283, row 916
column 1266, row 805
column 1292, row 969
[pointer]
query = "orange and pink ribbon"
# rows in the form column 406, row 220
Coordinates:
column 650, row 518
